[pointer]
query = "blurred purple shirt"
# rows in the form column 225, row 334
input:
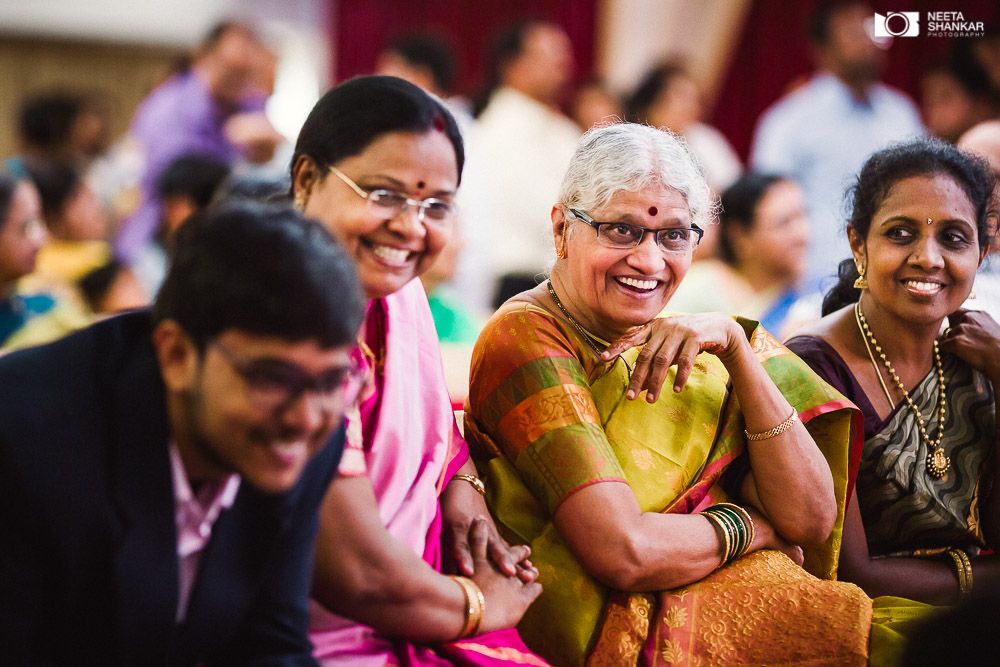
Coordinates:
column 179, row 117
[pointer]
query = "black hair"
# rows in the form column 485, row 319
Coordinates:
column 818, row 28
column 194, row 176
column 969, row 74
column 46, row 121
column 427, row 51
column 57, row 183
column 95, row 284
column 641, row 99
column 264, row 270
column 220, row 30
column 352, row 115
column 885, row 168
column 7, row 187
column 507, row 45
column 739, row 207
column 266, row 189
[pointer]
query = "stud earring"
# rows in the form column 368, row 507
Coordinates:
column 861, row 282
column 972, row 294
column 561, row 253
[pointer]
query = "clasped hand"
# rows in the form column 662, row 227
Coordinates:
column 676, row 340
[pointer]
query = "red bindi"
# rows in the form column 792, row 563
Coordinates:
column 439, row 124
column 420, row 185
column 653, row 210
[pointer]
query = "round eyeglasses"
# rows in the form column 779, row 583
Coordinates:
column 274, row 384
column 623, row 235
column 390, row 204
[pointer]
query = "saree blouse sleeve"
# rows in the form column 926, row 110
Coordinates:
column 530, row 400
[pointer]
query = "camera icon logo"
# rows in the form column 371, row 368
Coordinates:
column 897, row 24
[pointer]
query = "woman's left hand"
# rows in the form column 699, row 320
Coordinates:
column 676, row 341
column 974, row 337
column 461, row 506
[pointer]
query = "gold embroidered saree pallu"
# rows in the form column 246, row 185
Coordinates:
column 546, row 417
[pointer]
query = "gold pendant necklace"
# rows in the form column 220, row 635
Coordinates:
column 937, row 461
column 587, row 336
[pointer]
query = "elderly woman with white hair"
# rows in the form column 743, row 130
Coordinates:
column 667, row 527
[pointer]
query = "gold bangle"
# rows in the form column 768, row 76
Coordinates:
column 475, row 606
column 476, row 483
column 748, row 524
column 963, row 570
column 721, row 528
column 777, row 430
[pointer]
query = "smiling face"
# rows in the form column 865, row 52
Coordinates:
column 216, row 423
column 614, row 289
column 389, row 252
column 918, row 272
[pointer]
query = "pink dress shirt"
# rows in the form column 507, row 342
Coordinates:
column 195, row 515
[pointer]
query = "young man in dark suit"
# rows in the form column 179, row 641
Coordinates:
column 161, row 473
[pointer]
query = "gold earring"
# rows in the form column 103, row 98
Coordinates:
column 972, row 294
column 300, row 201
column 561, row 253
column 861, row 282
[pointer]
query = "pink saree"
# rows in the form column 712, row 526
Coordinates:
column 411, row 447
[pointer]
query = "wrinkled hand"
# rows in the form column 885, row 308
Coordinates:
column 676, row 341
column 462, row 508
column 507, row 598
column 974, row 337
column 766, row 537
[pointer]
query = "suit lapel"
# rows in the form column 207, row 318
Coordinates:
column 145, row 567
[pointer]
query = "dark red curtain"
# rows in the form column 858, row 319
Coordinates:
column 361, row 27
column 773, row 55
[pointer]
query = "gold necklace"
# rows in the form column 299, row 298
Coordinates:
column 587, row 336
column 937, row 461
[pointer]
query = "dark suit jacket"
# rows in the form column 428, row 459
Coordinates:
column 88, row 547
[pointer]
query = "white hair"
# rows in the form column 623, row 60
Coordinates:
column 629, row 156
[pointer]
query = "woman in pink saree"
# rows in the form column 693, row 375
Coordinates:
column 378, row 162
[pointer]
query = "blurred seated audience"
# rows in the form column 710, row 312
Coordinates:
column 661, row 529
column 163, row 470
column 527, row 142
column 669, row 97
column 922, row 518
column 821, row 133
column 27, row 316
column 955, row 94
column 187, row 186
column 64, row 127
column 212, row 108
column 763, row 240
column 594, row 104
column 78, row 225
column 984, row 141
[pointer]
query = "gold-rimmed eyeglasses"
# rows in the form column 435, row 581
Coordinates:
column 391, row 204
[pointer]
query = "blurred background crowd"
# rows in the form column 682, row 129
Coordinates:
column 128, row 117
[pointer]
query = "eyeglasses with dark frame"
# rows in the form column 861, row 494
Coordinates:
column 623, row 235
column 431, row 211
column 273, row 384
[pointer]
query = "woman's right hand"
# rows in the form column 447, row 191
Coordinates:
column 507, row 598
column 676, row 340
column 766, row 537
